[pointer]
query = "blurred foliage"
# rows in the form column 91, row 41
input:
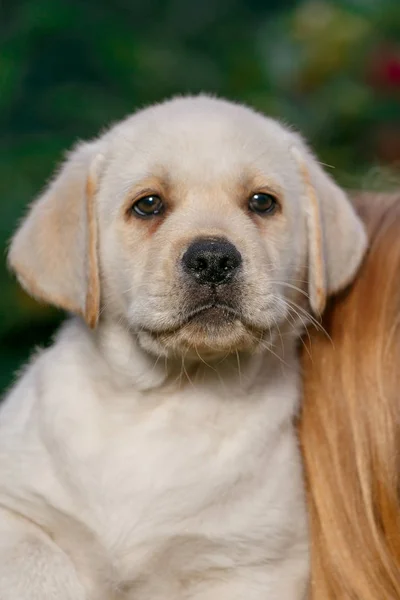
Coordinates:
column 70, row 67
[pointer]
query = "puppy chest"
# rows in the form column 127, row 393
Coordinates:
column 240, row 527
column 177, row 499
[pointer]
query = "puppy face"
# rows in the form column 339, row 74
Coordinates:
column 200, row 229
column 207, row 228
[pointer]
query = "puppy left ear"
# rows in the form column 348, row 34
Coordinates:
column 54, row 251
column 336, row 237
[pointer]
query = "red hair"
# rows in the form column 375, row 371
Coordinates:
column 350, row 424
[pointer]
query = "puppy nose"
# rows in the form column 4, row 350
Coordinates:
column 211, row 260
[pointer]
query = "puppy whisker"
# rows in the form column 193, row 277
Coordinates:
column 239, row 369
column 291, row 286
column 293, row 305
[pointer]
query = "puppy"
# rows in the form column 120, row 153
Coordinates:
column 149, row 454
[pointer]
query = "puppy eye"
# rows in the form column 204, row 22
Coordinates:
column 263, row 204
column 148, row 206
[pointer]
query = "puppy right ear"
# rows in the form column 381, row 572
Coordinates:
column 54, row 251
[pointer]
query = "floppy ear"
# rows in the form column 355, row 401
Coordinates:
column 54, row 251
column 336, row 236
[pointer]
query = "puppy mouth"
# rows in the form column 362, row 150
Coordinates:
column 209, row 322
column 212, row 314
column 210, row 328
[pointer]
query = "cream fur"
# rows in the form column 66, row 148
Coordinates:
column 148, row 458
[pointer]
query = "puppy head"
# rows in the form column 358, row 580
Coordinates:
column 202, row 225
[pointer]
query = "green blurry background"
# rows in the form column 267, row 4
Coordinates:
column 70, row 67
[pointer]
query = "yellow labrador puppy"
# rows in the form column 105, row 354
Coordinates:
column 149, row 454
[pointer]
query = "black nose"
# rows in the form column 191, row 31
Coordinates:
column 211, row 260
